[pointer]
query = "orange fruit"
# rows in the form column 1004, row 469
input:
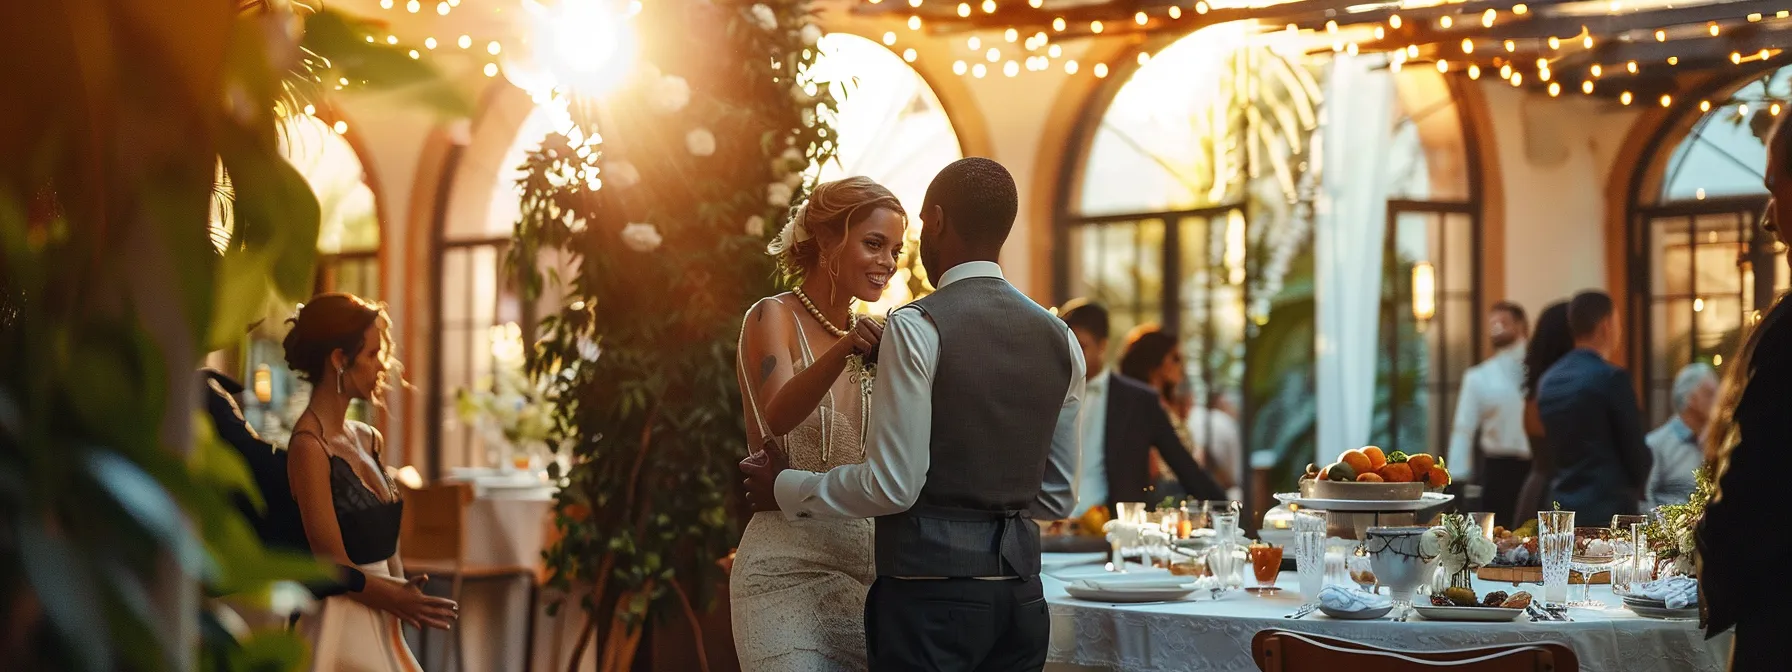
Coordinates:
column 1397, row 472
column 1377, row 459
column 1437, row 477
column 1369, row 477
column 1421, row 463
column 1357, row 460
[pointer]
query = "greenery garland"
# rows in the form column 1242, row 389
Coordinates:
column 661, row 196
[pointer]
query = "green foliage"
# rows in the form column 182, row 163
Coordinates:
column 639, row 362
column 115, row 502
column 1670, row 531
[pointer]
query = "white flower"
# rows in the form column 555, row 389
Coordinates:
column 622, row 173
column 1480, row 550
column 777, row 194
column 765, row 17
column 700, row 142
column 588, row 349
column 641, row 237
column 811, row 34
column 756, row 226
column 670, row 93
column 1431, row 542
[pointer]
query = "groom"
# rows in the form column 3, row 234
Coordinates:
column 973, row 436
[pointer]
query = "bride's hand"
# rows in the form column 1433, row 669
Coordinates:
column 865, row 336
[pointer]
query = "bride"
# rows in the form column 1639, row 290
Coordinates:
column 797, row 589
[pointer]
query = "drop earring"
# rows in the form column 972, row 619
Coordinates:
column 339, row 380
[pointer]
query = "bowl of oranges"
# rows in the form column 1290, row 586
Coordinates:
column 1369, row 474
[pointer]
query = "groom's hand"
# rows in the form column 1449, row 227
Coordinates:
column 762, row 469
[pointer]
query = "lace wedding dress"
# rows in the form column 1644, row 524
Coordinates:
column 797, row 589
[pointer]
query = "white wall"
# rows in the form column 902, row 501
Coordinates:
column 1555, row 157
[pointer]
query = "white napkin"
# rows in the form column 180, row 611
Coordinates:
column 1125, row 585
column 1344, row 598
column 1676, row 591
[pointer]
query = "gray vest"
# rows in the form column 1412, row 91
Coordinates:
column 1004, row 368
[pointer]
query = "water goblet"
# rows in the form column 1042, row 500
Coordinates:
column 1555, row 537
column 1593, row 553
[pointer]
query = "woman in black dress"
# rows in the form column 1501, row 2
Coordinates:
column 347, row 499
column 1549, row 342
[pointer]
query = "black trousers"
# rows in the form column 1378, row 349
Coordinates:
column 954, row 625
column 1501, row 478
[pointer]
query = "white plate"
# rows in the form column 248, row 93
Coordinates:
column 1128, row 596
column 1429, row 499
column 1369, row 614
column 1647, row 611
column 1476, row 614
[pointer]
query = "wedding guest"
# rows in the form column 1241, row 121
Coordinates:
column 1590, row 415
column 1549, row 343
column 347, row 498
column 1123, row 421
column 278, row 524
column 1675, row 444
column 1487, row 440
column 1747, row 449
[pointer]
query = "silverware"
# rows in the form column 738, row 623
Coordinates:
column 1302, row 612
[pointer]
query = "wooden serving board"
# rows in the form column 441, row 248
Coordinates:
column 1517, row 575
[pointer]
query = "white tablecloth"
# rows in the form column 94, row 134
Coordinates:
column 1216, row 635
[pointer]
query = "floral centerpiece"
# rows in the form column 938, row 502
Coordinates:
column 508, row 408
column 1669, row 534
column 1460, row 547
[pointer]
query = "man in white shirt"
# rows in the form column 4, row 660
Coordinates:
column 1487, row 441
column 972, row 438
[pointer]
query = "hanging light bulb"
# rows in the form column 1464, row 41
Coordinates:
column 1511, row 46
column 1095, row 27
column 914, row 23
column 1666, row 100
column 1554, row 42
column 1011, row 68
column 1394, row 21
column 1487, row 18
column 1517, row 78
column 1631, row 66
column 1624, row 98
column 979, row 70
column 1144, row 58
column 1586, row 87
column 1704, row 106
column 1506, row 71
column 1011, row 35
column 1596, row 70
column 964, row 10
column 1468, row 46
column 1445, row 22
column 1661, row 36
column 989, row 6
column 973, row 44
column 1673, row 60
column 1058, row 24
column 1070, row 67
column 1175, row 12
column 1474, row 71
column 1101, row 70
column 1140, row 18
column 889, row 38
column 1520, row 9
column 1555, row 89
column 1443, row 65
column 909, row 54
column 959, row 67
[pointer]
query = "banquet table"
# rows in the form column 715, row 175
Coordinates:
column 1208, row 634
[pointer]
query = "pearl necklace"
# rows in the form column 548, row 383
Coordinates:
column 853, row 319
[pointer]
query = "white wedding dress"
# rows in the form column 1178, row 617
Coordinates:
column 797, row 589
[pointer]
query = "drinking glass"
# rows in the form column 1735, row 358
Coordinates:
column 1627, row 529
column 1361, row 572
column 1309, row 552
column 1222, row 558
column 1594, row 552
column 1555, row 539
column 1129, row 512
column 1266, row 565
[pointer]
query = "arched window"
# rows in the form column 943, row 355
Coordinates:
column 348, row 248
column 479, row 315
column 1193, row 206
column 892, row 129
column 1700, row 265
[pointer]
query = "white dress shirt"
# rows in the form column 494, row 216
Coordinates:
column 898, row 447
column 1091, row 467
column 1492, row 401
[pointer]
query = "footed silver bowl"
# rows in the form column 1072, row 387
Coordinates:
column 1394, row 555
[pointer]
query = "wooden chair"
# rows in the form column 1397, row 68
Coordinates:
column 432, row 539
column 1283, row 651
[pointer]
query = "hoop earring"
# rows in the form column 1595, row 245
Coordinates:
column 338, row 380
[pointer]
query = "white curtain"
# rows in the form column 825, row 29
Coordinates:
column 1355, row 133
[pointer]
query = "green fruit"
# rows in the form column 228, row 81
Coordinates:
column 1339, row 471
column 1462, row 597
column 1396, row 457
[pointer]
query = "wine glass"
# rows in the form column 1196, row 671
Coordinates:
column 1594, row 552
column 1626, row 532
column 1361, row 573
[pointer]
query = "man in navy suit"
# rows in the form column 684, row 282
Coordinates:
column 1122, row 421
column 1590, row 415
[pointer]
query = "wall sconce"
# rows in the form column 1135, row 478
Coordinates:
column 1424, row 293
column 264, row 384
